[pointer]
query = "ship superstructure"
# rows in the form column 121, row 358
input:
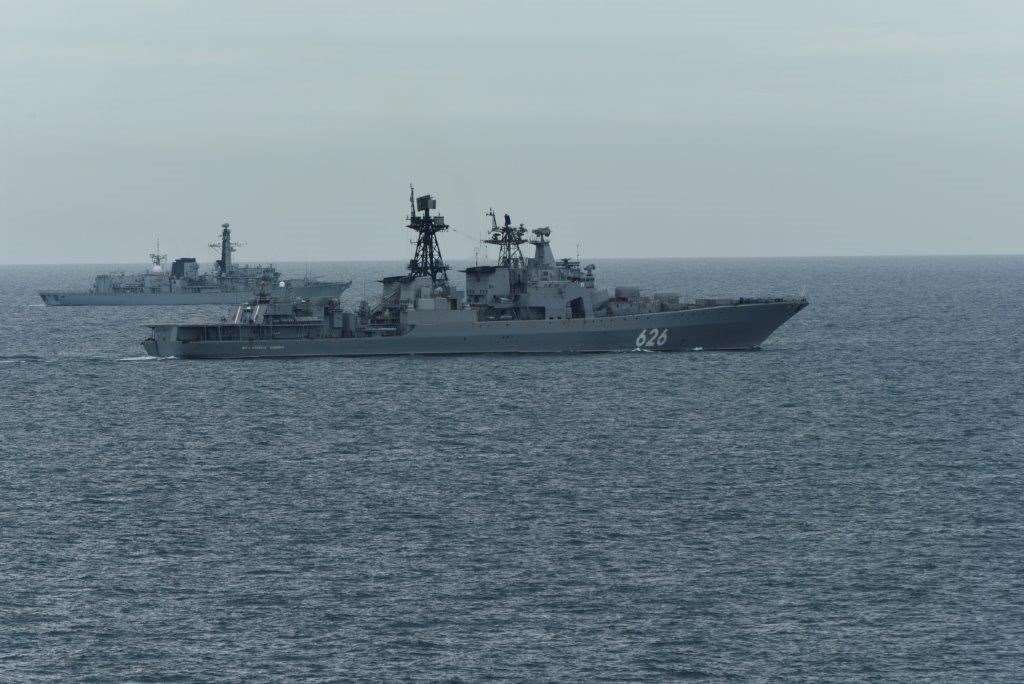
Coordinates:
column 520, row 304
column 184, row 284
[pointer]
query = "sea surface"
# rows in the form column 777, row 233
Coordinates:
column 845, row 504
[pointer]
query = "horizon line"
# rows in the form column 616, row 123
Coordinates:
column 899, row 255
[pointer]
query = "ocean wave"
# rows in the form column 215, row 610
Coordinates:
column 19, row 358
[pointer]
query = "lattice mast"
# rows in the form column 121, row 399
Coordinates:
column 427, row 260
column 157, row 257
column 509, row 240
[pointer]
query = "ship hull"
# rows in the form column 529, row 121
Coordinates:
column 735, row 327
column 142, row 298
column 235, row 297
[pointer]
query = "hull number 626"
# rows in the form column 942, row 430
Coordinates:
column 654, row 337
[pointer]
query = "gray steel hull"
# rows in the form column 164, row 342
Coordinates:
column 143, row 299
column 235, row 297
column 742, row 326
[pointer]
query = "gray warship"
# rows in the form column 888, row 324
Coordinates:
column 183, row 284
column 536, row 304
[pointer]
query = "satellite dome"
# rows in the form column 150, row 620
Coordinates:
column 156, row 269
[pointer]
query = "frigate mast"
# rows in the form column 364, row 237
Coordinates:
column 509, row 239
column 428, row 260
column 158, row 258
column 226, row 247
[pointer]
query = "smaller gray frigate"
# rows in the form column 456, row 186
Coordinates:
column 183, row 284
column 521, row 304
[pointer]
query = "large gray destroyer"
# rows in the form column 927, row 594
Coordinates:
column 519, row 305
column 183, row 284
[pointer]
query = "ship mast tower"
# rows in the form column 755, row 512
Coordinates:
column 427, row 260
column 226, row 247
column 158, row 258
column 509, row 239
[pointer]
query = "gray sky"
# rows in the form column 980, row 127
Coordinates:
column 675, row 128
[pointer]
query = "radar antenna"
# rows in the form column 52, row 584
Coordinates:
column 509, row 239
column 427, row 261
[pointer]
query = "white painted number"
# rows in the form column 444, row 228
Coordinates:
column 651, row 338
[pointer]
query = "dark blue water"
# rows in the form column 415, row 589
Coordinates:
column 845, row 504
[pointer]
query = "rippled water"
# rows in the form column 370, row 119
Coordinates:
column 845, row 504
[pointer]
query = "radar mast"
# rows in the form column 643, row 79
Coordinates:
column 226, row 247
column 427, row 260
column 158, row 258
column 509, row 239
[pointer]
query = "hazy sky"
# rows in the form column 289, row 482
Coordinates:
column 677, row 128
